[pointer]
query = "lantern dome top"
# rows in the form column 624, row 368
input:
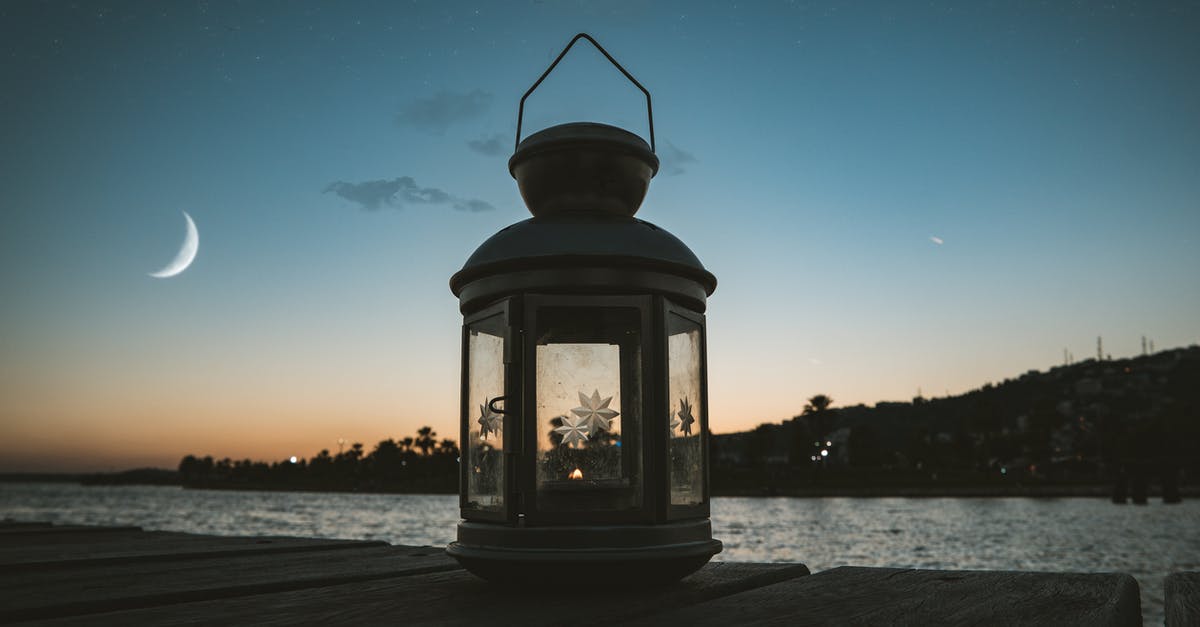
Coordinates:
column 583, row 182
column 583, row 167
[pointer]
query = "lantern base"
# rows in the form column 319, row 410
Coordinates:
column 609, row 556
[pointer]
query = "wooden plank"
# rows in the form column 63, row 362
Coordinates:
column 70, row 537
column 884, row 596
column 77, row 549
column 92, row 589
column 454, row 598
column 8, row 523
column 21, row 533
column 1182, row 599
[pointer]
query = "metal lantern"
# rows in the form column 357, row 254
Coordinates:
column 584, row 409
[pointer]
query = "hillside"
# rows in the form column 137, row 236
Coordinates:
column 1084, row 423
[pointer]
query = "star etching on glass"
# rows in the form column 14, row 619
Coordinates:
column 595, row 412
column 489, row 421
column 573, row 429
column 683, row 419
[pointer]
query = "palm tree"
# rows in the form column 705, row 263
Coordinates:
column 425, row 439
column 386, row 460
column 817, row 411
column 817, row 404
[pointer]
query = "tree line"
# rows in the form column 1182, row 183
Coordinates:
column 411, row 464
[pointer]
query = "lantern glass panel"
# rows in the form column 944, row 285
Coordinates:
column 485, row 428
column 684, row 354
column 589, row 398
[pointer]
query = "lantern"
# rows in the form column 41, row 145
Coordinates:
column 584, row 409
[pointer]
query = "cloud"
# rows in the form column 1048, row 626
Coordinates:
column 445, row 108
column 672, row 159
column 400, row 191
column 490, row 145
column 472, row 205
column 368, row 194
column 936, row 240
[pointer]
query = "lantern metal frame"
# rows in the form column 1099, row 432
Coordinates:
column 520, row 476
column 587, row 251
column 701, row 509
column 512, row 404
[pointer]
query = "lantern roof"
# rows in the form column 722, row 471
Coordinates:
column 578, row 239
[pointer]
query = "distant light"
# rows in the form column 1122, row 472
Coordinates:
column 829, row 444
column 292, row 459
column 813, row 457
column 1004, row 471
column 824, row 453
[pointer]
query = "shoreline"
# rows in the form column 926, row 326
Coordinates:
column 1041, row 491
column 836, row 491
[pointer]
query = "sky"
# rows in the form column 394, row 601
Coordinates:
column 894, row 197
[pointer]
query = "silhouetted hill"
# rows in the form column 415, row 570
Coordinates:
column 39, row 477
column 1081, row 423
column 138, row 476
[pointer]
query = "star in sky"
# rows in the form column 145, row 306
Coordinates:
column 489, row 421
column 595, row 412
column 573, row 429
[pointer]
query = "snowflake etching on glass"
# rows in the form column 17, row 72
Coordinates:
column 573, row 429
column 685, row 420
column 595, row 412
column 489, row 421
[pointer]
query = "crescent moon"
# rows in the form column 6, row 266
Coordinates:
column 187, row 252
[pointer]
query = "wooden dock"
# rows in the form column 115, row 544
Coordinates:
column 126, row 576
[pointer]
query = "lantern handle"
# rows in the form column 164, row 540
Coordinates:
column 492, row 405
column 521, row 108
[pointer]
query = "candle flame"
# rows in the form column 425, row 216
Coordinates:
column 576, row 474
